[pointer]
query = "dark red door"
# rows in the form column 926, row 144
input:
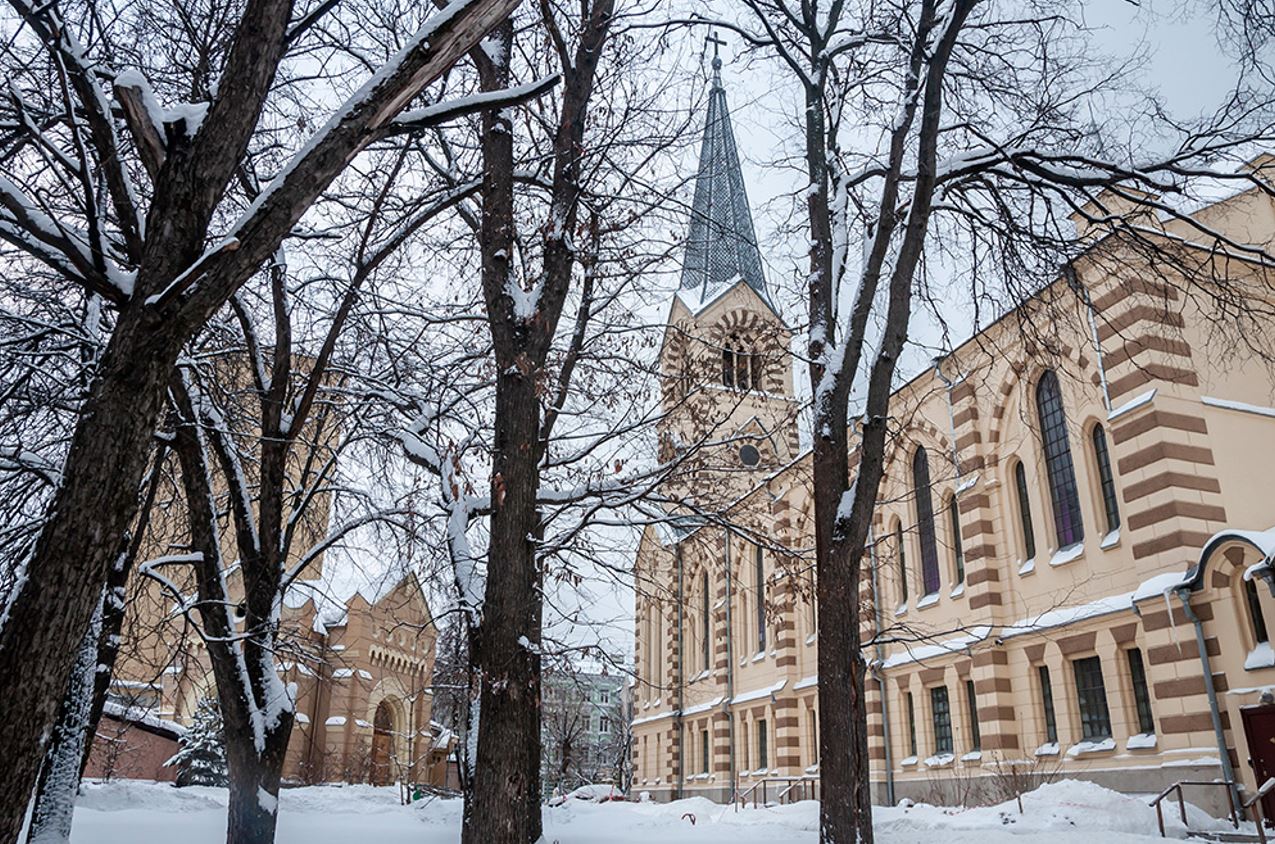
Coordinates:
column 1259, row 728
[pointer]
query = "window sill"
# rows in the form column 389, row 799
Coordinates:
column 1049, row 748
column 957, row 591
column 940, row 760
column 1142, row 741
column 909, row 762
column 928, row 601
column 1089, row 748
column 1026, row 567
column 1110, row 541
column 973, row 756
column 902, row 609
column 1261, row 656
column 759, row 656
column 1070, row 554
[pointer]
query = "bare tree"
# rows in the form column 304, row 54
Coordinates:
column 162, row 264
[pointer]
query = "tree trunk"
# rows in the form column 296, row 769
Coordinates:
column 507, row 780
column 60, row 771
column 90, row 513
column 254, row 791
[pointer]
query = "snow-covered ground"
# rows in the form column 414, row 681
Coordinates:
column 1067, row 812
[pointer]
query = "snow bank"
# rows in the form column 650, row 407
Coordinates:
column 1065, row 812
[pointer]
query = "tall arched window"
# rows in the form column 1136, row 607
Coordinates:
column 728, row 366
column 1025, row 511
column 760, row 579
column 1105, row 479
column 706, row 625
column 925, row 521
column 741, row 365
column 954, row 526
column 1068, row 525
column 903, row 563
column 1256, row 620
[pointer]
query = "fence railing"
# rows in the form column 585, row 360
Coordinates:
column 1250, row 807
column 785, row 789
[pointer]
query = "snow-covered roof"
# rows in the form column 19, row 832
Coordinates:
column 1261, row 540
column 143, row 718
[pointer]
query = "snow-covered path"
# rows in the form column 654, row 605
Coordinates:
column 1066, row 812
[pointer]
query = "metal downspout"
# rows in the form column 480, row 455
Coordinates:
column 1224, row 755
column 730, row 675
column 679, row 727
column 880, row 675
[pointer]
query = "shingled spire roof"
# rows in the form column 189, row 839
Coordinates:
column 721, row 246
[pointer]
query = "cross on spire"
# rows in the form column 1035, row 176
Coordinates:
column 717, row 41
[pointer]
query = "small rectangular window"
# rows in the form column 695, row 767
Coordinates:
column 703, row 738
column 941, row 714
column 1047, row 704
column 911, row 726
column 743, row 744
column 763, row 755
column 1141, row 695
column 976, row 738
column 1091, row 694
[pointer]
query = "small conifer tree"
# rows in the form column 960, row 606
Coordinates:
column 202, row 758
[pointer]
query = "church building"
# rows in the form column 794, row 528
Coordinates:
column 1071, row 561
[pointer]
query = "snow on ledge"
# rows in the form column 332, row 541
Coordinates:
column 1242, row 407
column 757, row 694
column 1063, row 556
column 967, row 485
column 908, row 762
column 1086, row 747
column 928, row 601
column 1142, row 741
column 1111, row 540
column 948, row 646
column 335, row 721
column 972, row 756
column 1131, row 404
column 1048, row 749
column 1027, row 566
column 939, row 760
column 957, row 591
column 1261, row 656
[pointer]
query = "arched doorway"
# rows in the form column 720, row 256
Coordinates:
column 383, row 744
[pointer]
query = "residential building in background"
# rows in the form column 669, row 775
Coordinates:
column 584, row 728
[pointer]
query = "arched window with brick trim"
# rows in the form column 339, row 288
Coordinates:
column 1059, row 467
column 706, row 624
column 1106, row 481
column 901, row 558
column 925, row 521
column 1024, row 511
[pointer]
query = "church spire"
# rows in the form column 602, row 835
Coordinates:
column 721, row 245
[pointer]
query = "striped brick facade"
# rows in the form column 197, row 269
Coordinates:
column 1187, row 421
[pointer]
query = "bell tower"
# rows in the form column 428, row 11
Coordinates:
column 726, row 367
